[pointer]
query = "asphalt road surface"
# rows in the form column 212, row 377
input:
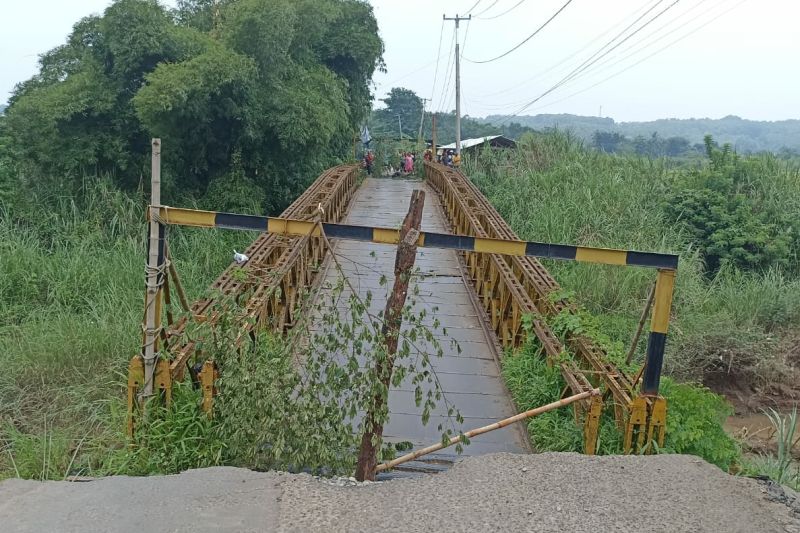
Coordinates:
column 497, row 492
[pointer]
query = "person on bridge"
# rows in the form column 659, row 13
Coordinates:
column 409, row 163
column 369, row 159
column 447, row 158
column 457, row 160
column 427, row 155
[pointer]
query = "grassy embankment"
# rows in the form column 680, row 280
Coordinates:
column 70, row 310
column 730, row 326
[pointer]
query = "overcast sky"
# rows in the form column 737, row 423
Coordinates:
column 731, row 56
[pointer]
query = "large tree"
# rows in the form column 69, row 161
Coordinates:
column 403, row 104
column 275, row 86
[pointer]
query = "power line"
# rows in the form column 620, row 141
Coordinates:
column 611, row 62
column 682, row 37
column 438, row 56
column 531, row 36
column 473, row 7
column 509, row 10
column 564, row 60
column 445, row 93
column 599, row 54
column 448, row 73
column 466, row 34
column 526, row 106
column 594, row 58
column 485, row 10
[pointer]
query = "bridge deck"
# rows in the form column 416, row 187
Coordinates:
column 471, row 379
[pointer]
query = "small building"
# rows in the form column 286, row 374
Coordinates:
column 493, row 141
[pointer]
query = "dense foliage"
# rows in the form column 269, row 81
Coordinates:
column 276, row 86
column 732, row 210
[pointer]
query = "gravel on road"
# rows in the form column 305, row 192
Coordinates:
column 497, row 492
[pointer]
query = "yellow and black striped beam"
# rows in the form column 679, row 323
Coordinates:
column 659, row 323
column 214, row 219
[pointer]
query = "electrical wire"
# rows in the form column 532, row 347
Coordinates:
column 509, row 10
column 476, row 15
column 605, row 65
column 448, row 72
column 506, row 119
column 466, row 34
column 438, row 56
column 589, row 62
column 473, row 7
column 531, row 36
column 602, row 52
column 563, row 61
column 682, row 37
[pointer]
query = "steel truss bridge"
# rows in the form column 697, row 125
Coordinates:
column 495, row 280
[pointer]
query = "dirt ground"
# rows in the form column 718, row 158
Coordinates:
column 498, row 492
column 749, row 423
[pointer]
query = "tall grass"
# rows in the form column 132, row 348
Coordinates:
column 553, row 189
column 71, row 298
column 781, row 466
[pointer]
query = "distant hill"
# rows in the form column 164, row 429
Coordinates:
column 745, row 135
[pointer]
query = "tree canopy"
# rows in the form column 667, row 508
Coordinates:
column 269, row 91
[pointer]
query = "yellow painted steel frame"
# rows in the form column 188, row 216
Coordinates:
column 511, row 287
column 280, row 268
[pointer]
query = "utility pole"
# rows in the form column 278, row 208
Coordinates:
column 400, row 126
column 422, row 119
column 433, row 138
column 457, row 19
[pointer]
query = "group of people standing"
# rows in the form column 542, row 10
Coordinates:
column 405, row 164
column 408, row 159
column 449, row 158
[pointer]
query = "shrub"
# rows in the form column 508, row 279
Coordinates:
column 694, row 414
column 695, row 418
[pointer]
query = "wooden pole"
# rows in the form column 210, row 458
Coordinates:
column 640, row 327
column 150, row 351
column 433, row 138
column 393, row 319
column 173, row 272
column 485, row 429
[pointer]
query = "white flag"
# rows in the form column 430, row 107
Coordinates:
column 365, row 136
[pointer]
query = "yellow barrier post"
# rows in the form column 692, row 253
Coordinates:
column 659, row 324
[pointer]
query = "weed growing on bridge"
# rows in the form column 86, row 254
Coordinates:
column 296, row 402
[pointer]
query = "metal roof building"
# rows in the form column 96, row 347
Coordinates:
column 495, row 141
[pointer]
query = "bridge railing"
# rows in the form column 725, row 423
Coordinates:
column 513, row 285
column 279, row 269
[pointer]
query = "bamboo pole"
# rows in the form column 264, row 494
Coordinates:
column 640, row 327
column 485, row 429
column 152, row 291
